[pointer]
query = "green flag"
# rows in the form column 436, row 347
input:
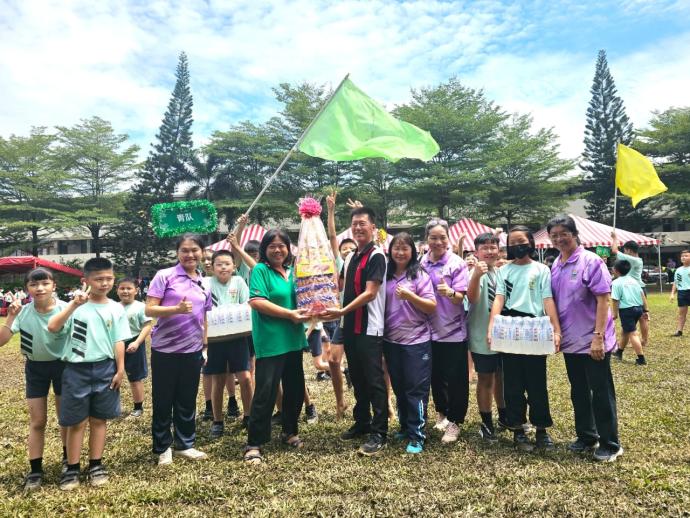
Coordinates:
column 354, row 126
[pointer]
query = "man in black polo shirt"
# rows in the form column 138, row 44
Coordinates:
column 363, row 312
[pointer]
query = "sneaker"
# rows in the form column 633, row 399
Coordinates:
column 69, row 480
column 678, row 333
column 245, row 422
column 322, row 376
column 165, row 458
column 605, row 455
column 544, row 441
column 217, row 430
column 451, row 433
column 310, row 414
column 414, row 447
column 190, row 453
column 521, row 441
column 374, row 445
column 641, row 361
column 137, row 412
column 97, row 475
column 441, row 423
column 618, row 355
column 348, row 379
column 353, row 432
column 276, row 419
column 487, row 434
column 207, row 415
column 580, row 446
column 33, row 481
column 233, row 409
column 64, row 466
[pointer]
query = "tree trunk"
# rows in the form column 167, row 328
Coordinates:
column 95, row 239
column 34, row 241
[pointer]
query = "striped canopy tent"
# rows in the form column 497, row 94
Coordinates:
column 348, row 234
column 251, row 232
column 594, row 234
column 471, row 229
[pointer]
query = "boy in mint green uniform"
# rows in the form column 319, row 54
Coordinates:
column 229, row 356
column 481, row 293
column 43, row 352
column 681, row 288
column 629, row 302
column 94, row 368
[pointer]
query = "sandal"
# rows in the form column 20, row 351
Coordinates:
column 252, row 455
column 292, row 440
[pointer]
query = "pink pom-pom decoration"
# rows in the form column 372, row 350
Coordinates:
column 309, row 207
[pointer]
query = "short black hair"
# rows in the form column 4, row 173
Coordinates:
column 130, row 280
column 622, row 266
column 266, row 240
column 487, row 238
column 562, row 221
column 359, row 211
column 191, row 237
column 684, row 252
column 345, row 241
column 38, row 274
column 97, row 264
column 221, row 252
column 252, row 246
column 413, row 266
column 526, row 231
column 631, row 245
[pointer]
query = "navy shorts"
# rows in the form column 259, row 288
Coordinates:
column 338, row 337
column 330, row 328
column 486, row 363
column 683, row 298
column 230, row 356
column 629, row 318
column 315, row 340
column 135, row 363
column 87, row 392
column 40, row 375
column 250, row 341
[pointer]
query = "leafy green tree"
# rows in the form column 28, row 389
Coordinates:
column 667, row 142
column 99, row 168
column 607, row 125
column 33, row 190
column 525, row 180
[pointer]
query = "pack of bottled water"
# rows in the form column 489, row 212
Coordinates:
column 522, row 335
column 229, row 321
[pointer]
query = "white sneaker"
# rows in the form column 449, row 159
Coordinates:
column 441, row 423
column 190, row 453
column 165, row 458
column 452, row 432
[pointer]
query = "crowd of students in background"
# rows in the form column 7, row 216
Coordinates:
column 413, row 322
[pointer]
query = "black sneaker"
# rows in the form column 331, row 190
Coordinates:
column 544, row 441
column 606, row 455
column 322, row 376
column 33, row 481
column 277, row 418
column 245, row 422
column 207, row 415
column 678, row 333
column 580, row 446
column 374, row 445
column 348, row 379
column 217, row 430
column 618, row 354
column 353, row 432
column 487, row 434
column 310, row 414
column 640, row 361
column 69, row 480
column 233, row 409
column 521, row 441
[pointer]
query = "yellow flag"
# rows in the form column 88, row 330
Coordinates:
column 636, row 176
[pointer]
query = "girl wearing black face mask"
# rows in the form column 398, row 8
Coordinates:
column 523, row 289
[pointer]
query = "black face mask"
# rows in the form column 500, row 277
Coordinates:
column 519, row 251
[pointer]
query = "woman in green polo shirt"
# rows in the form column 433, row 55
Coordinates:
column 278, row 334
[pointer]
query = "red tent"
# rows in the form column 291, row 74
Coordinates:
column 24, row 263
column 471, row 229
column 251, row 232
column 594, row 234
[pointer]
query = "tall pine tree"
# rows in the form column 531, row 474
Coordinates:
column 137, row 248
column 607, row 125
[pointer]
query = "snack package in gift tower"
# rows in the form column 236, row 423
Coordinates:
column 315, row 272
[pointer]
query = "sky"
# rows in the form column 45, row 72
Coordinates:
column 67, row 60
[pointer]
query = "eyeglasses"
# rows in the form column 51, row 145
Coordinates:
column 560, row 235
column 436, row 221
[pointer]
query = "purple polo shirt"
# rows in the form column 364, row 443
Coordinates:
column 404, row 323
column 448, row 322
column 179, row 333
column 575, row 285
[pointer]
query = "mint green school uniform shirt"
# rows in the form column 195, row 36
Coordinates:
column 94, row 329
column 636, row 266
column 235, row 291
column 525, row 287
column 136, row 317
column 681, row 278
column 627, row 292
column 478, row 316
column 36, row 342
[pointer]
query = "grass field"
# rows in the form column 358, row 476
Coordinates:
column 328, row 478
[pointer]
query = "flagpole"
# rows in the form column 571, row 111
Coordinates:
column 615, row 204
column 296, row 145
